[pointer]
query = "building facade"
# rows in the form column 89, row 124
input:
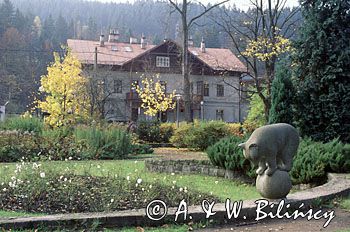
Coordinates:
column 215, row 77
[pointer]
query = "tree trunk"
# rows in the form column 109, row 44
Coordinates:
column 185, row 65
column 270, row 71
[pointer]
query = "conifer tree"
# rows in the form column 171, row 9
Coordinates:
column 323, row 70
column 282, row 95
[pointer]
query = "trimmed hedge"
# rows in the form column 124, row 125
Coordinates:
column 310, row 164
column 315, row 159
column 200, row 134
column 228, row 155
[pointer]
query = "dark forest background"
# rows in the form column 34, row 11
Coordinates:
column 30, row 31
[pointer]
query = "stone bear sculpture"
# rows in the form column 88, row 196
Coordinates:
column 271, row 147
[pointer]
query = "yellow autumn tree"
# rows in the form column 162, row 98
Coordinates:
column 153, row 95
column 64, row 88
column 266, row 49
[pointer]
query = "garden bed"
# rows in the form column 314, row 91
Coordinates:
column 76, row 194
column 95, row 186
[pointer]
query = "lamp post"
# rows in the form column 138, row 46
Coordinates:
column 202, row 110
column 178, row 97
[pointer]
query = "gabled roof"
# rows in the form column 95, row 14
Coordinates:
column 111, row 54
column 116, row 53
column 220, row 59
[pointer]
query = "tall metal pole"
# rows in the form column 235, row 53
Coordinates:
column 177, row 111
column 239, row 100
column 202, row 110
column 95, row 60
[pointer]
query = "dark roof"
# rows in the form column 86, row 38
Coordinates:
column 117, row 53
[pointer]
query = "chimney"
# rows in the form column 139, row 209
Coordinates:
column 133, row 40
column 113, row 36
column 203, row 45
column 143, row 42
column 102, row 40
column 190, row 41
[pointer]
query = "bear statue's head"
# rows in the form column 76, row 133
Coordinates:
column 249, row 151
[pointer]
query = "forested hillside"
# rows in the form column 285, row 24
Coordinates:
column 31, row 30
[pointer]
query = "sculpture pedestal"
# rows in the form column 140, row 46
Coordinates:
column 276, row 186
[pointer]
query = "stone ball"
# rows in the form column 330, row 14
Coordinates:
column 276, row 186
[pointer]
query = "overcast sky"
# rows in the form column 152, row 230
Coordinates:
column 243, row 4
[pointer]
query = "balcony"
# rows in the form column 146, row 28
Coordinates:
column 133, row 96
column 196, row 100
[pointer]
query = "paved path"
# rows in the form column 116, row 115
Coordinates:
column 340, row 223
column 169, row 153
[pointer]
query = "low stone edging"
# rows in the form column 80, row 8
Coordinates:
column 338, row 185
column 159, row 145
column 202, row 167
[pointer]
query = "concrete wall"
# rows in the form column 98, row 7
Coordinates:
column 119, row 109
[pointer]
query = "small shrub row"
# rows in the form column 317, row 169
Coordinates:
column 310, row 165
column 23, row 124
column 200, row 134
column 103, row 143
column 63, row 143
column 155, row 132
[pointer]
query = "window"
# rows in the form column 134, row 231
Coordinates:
column 191, row 87
column 206, row 89
column 200, row 87
column 128, row 49
column 162, row 61
column 101, row 86
column 117, row 88
column 220, row 115
column 133, row 85
column 163, row 84
column 220, row 91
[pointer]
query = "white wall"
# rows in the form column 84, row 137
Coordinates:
column 228, row 103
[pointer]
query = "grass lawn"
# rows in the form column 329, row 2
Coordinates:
column 219, row 187
column 345, row 203
column 17, row 214
column 166, row 228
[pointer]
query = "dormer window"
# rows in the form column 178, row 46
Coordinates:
column 128, row 49
column 114, row 48
column 162, row 61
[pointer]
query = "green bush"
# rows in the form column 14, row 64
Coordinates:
column 62, row 148
column 228, row 155
column 67, row 143
column 23, row 124
column 256, row 116
column 166, row 131
column 103, row 143
column 154, row 131
column 14, row 146
column 140, row 149
column 149, row 131
column 178, row 138
column 310, row 164
column 199, row 135
column 315, row 159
